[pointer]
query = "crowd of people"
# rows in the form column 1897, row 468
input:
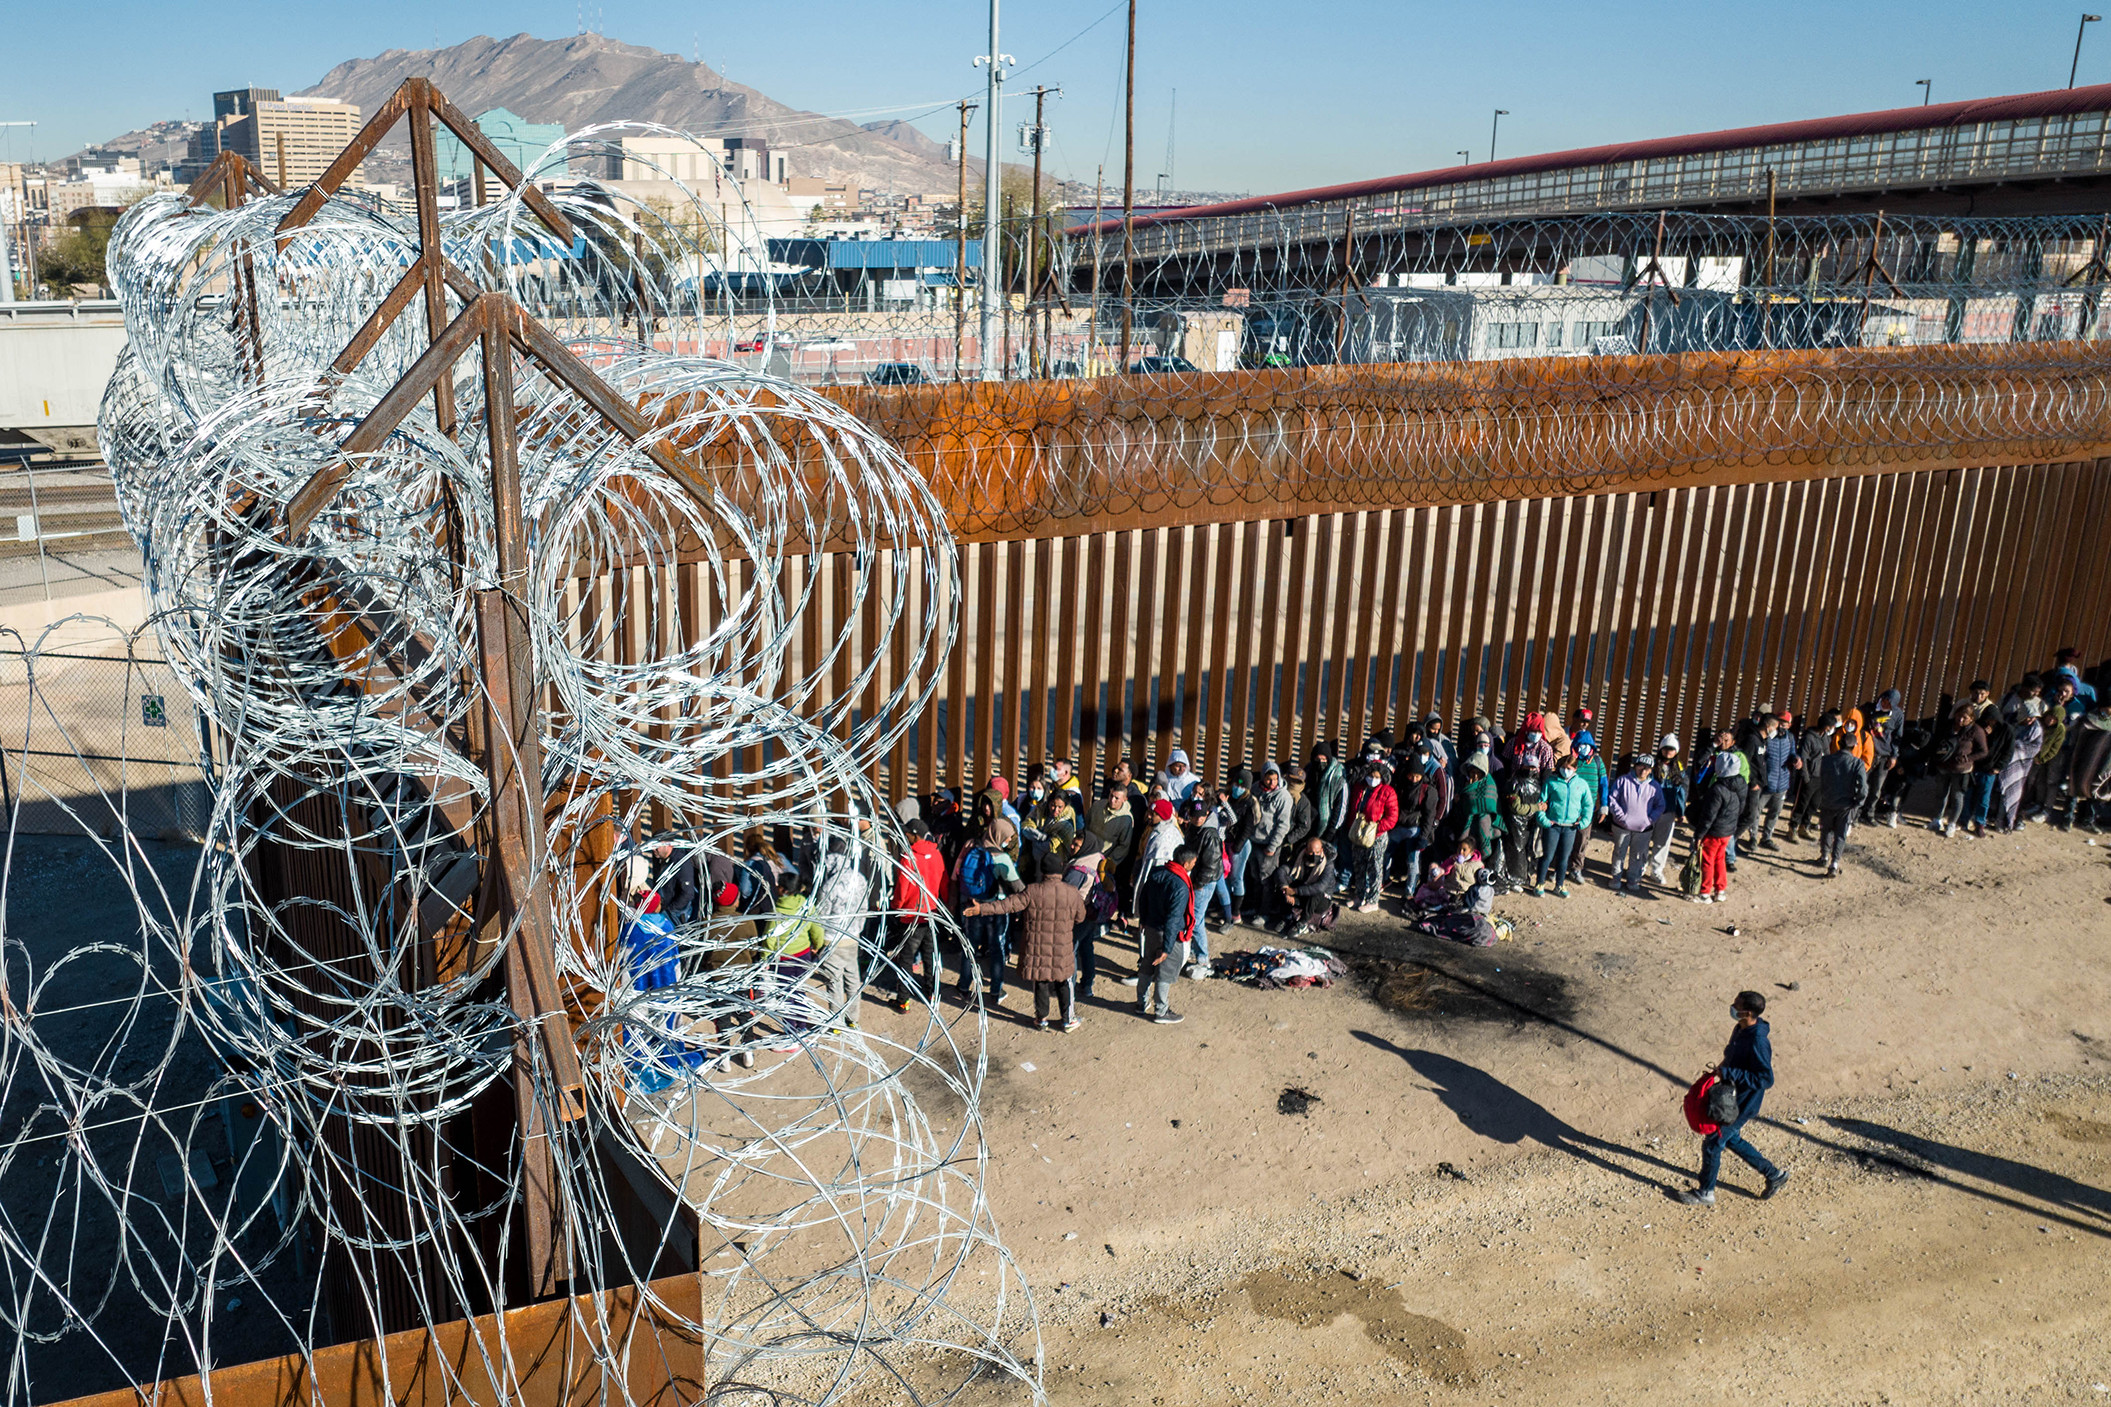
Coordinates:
column 1041, row 875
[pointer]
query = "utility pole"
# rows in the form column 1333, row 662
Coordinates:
column 992, row 193
column 1927, row 89
column 1500, row 114
column 960, row 250
column 1033, row 278
column 2079, row 31
column 1128, row 196
column 1099, row 218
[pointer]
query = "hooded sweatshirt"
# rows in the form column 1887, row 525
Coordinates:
column 1177, row 789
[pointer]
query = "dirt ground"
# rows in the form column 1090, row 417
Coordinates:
column 1472, row 1204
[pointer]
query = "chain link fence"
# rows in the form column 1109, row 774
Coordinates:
column 97, row 735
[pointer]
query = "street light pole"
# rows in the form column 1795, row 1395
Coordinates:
column 1927, row 89
column 1500, row 114
column 992, row 193
column 2079, row 31
column 1465, row 158
column 960, row 252
column 1128, row 195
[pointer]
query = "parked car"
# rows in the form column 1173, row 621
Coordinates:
column 1160, row 366
column 897, row 374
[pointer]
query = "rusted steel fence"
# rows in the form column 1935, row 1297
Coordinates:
column 1031, row 459
column 1663, row 608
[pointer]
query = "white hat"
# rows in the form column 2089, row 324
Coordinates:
column 1668, row 743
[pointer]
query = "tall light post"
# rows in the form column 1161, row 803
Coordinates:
column 1465, row 158
column 1927, row 89
column 1500, row 114
column 2079, row 30
column 992, row 191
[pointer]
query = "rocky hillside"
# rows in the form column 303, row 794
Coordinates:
column 590, row 78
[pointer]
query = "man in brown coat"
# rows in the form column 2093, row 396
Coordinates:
column 1048, row 954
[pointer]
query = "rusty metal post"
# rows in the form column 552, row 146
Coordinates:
column 1128, row 196
column 426, row 185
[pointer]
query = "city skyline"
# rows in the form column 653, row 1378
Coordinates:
column 1371, row 90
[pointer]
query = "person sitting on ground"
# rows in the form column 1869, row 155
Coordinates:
column 1450, row 881
column 1307, row 885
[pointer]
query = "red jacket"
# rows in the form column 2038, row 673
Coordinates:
column 1381, row 804
column 917, row 886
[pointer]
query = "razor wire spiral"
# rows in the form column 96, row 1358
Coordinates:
column 324, row 966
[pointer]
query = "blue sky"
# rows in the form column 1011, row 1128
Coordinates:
column 1273, row 94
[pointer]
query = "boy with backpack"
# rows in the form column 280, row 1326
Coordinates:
column 1747, row 1067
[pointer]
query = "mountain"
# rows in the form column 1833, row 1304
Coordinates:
column 591, row 78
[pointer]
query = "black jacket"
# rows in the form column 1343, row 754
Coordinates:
column 1717, row 809
column 1843, row 782
column 1310, row 878
column 1209, row 855
column 1422, row 806
column 1164, row 900
column 1242, row 821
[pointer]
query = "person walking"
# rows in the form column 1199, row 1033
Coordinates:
column 1843, row 781
column 1671, row 776
column 1636, row 805
column 1047, row 948
column 1747, row 1067
column 1166, row 908
column 1567, row 810
column 1716, row 810
column 1374, row 812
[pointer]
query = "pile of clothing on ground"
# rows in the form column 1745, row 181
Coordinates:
column 1273, row 969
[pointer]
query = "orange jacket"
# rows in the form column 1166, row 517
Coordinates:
column 1864, row 740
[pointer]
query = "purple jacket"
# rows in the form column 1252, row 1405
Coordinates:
column 1636, row 802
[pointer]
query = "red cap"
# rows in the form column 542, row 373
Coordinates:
column 1001, row 787
column 727, row 896
column 1585, row 714
column 1162, row 809
column 1784, row 717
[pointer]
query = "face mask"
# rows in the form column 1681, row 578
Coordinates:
column 1238, row 791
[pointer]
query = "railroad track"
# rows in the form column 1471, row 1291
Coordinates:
column 62, row 505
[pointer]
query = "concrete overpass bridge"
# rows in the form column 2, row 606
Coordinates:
column 2028, row 154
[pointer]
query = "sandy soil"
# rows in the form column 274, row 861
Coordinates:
column 1473, row 1206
